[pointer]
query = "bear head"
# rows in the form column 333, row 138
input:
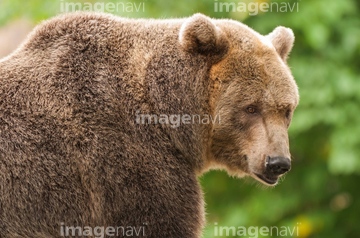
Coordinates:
column 252, row 92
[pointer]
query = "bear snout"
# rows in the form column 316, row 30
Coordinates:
column 276, row 166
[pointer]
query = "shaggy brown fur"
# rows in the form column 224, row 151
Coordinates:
column 72, row 152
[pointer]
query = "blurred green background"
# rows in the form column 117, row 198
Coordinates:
column 320, row 196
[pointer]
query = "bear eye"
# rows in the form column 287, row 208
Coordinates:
column 287, row 113
column 251, row 110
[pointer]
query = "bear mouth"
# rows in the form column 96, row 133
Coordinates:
column 271, row 180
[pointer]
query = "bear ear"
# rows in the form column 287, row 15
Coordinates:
column 282, row 39
column 198, row 34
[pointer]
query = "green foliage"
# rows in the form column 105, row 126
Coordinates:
column 319, row 196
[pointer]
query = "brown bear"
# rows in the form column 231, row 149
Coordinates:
column 75, row 158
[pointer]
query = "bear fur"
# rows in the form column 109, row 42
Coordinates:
column 72, row 152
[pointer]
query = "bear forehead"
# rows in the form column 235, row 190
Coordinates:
column 241, row 33
column 274, row 94
column 269, row 75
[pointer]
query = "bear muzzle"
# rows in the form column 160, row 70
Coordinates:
column 274, row 168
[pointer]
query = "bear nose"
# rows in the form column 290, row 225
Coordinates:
column 277, row 165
